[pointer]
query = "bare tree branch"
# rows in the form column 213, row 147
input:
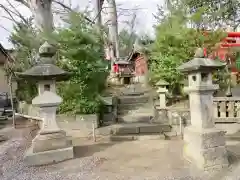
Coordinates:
column 71, row 10
column 8, row 12
column 16, row 12
column 23, row 2
column 1, row 26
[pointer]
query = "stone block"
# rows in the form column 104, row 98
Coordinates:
column 161, row 115
column 155, row 128
column 204, row 138
column 126, row 130
column 207, row 159
column 48, row 157
column 47, row 142
column 133, row 99
column 205, row 147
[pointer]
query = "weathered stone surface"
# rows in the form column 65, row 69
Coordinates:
column 205, row 147
column 160, row 115
column 126, row 130
column 48, row 157
column 204, row 138
column 154, row 128
column 207, row 159
column 50, row 141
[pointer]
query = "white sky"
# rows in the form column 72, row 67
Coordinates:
column 144, row 21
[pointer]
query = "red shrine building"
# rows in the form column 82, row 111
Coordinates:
column 223, row 52
column 133, row 68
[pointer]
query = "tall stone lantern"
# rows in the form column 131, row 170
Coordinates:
column 51, row 144
column 204, row 144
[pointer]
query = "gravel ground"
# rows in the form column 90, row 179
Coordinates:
column 101, row 165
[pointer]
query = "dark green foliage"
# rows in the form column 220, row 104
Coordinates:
column 175, row 44
column 217, row 12
column 79, row 52
column 25, row 42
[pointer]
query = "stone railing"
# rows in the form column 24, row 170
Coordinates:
column 28, row 109
column 226, row 109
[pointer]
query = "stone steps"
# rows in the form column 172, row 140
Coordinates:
column 117, row 138
column 123, row 110
column 130, row 106
column 135, row 118
column 133, row 99
column 140, row 128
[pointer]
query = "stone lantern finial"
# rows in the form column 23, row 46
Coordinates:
column 46, row 53
column 199, row 53
column 47, row 50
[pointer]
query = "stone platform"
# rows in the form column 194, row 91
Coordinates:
column 205, row 147
column 49, row 147
column 48, row 157
column 50, row 141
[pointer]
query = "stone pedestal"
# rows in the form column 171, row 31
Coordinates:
column 51, row 144
column 204, row 144
column 205, row 148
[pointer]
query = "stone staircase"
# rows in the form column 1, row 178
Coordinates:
column 135, row 118
column 134, row 109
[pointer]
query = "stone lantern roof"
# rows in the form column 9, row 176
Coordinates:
column 162, row 83
column 201, row 64
column 45, row 70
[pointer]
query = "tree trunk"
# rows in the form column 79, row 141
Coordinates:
column 11, row 98
column 42, row 13
column 113, row 26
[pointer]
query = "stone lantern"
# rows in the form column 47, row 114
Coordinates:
column 204, row 144
column 162, row 90
column 51, row 144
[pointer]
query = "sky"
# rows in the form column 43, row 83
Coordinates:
column 144, row 10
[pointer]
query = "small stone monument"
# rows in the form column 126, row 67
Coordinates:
column 51, row 144
column 162, row 90
column 204, row 144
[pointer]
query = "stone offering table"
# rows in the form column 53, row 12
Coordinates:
column 204, row 144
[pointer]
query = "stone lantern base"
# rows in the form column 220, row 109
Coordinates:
column 49, row 148
column 47, row 157
column 50, row 141
column 205, row 148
